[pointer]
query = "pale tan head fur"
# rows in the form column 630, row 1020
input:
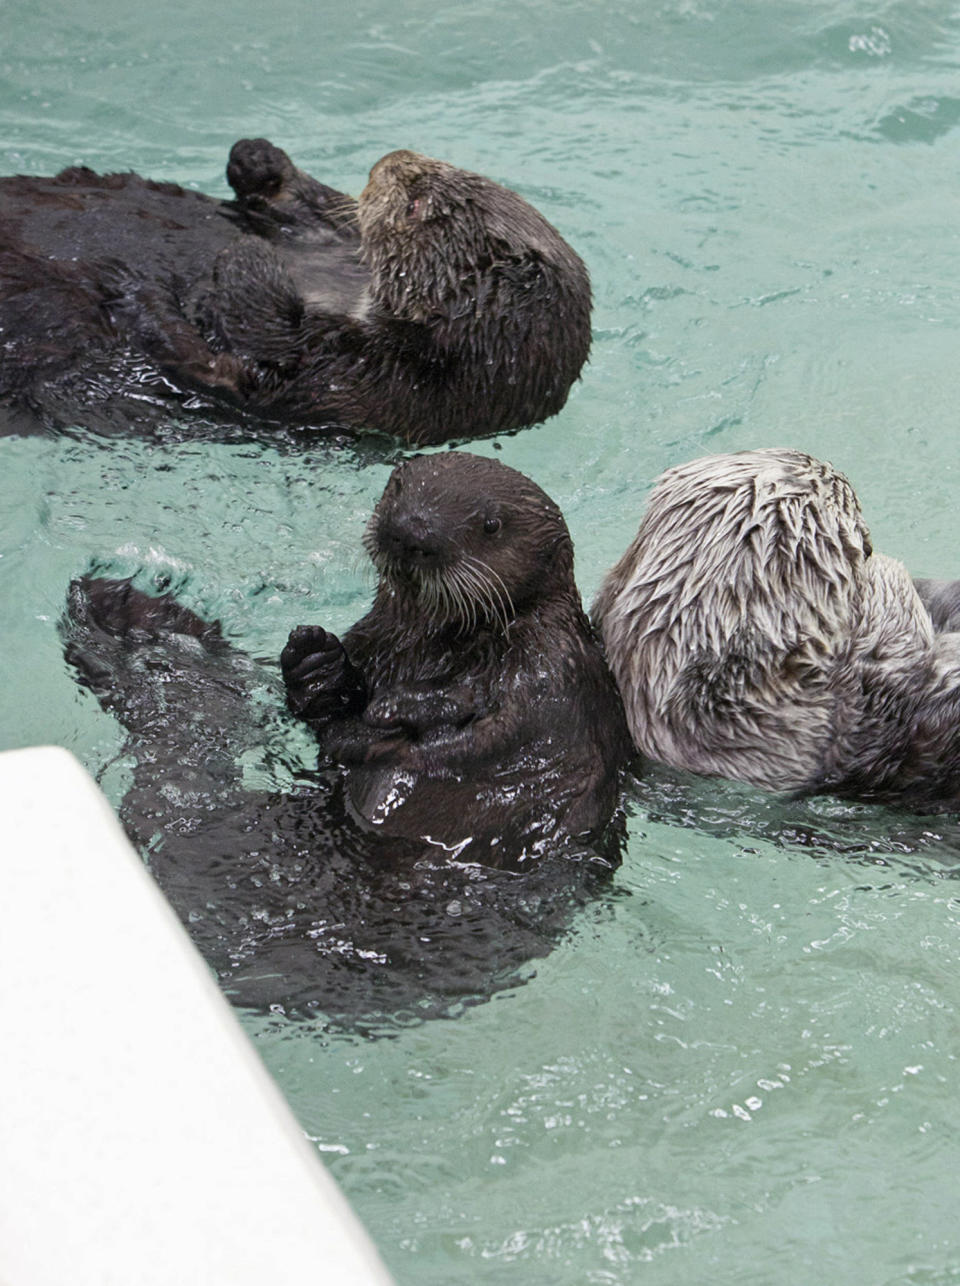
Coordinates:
column 744, row 616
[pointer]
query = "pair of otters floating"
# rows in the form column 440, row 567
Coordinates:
column 470, row 723
column 751, row 630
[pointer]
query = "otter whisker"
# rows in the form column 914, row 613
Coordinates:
column 471, row 605
column 495, row 591
column 468, row 605
column 478, row 594
column 481, row 591
column 498, row 586
column 445, row 599
column 471, row 597
column 430, row 594
column 344, row 209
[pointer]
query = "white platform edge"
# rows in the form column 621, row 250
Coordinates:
column 141, row 1139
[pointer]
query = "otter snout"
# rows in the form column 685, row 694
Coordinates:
column 411, row 540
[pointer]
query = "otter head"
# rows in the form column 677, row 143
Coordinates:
column 771, row 541
column 722, row 620
column 466, row 541
column 431, row 233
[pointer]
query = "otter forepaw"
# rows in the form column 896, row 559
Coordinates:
column 320, row 680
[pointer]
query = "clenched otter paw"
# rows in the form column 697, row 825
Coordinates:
column 321, row 682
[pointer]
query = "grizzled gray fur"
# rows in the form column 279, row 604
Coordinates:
column 755, row 635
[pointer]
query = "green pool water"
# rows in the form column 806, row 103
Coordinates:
column 740, row 1064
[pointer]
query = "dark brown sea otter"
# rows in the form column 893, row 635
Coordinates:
column 472, row 739
column 471, row 707
column 440, row 305
column 755, row 635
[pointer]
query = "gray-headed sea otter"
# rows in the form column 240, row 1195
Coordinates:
column 440, row 305
column 755, row 635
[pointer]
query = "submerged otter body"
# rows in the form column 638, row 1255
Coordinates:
column 440, row 305
column 755, row 635
column 471, row 736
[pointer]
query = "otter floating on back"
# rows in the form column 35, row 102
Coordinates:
column 440, row 305
column 472, row 738
column 755, row 635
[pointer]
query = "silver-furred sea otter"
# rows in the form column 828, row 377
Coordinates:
column 755, row 635
column 439, row 305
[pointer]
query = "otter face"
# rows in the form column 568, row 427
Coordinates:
column 430, row 233
column 470, row 540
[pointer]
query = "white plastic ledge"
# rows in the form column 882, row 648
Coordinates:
column 142, row 1140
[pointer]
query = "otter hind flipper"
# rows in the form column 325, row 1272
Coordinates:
column 170, row 677
column 118, row 608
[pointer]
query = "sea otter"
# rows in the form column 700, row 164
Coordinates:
column 471, row 738
column 439, row 305
column 755, row 635
column 472, row 703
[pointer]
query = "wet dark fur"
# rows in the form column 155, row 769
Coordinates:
column 506, row 729
column 441, row 306
column 756, row 635
column 472, row 702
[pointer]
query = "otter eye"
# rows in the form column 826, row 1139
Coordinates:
column 413, row 208
column 492, row 525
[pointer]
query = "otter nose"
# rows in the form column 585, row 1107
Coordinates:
column 412, row 539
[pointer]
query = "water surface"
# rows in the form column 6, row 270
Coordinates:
column 740, row 1064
